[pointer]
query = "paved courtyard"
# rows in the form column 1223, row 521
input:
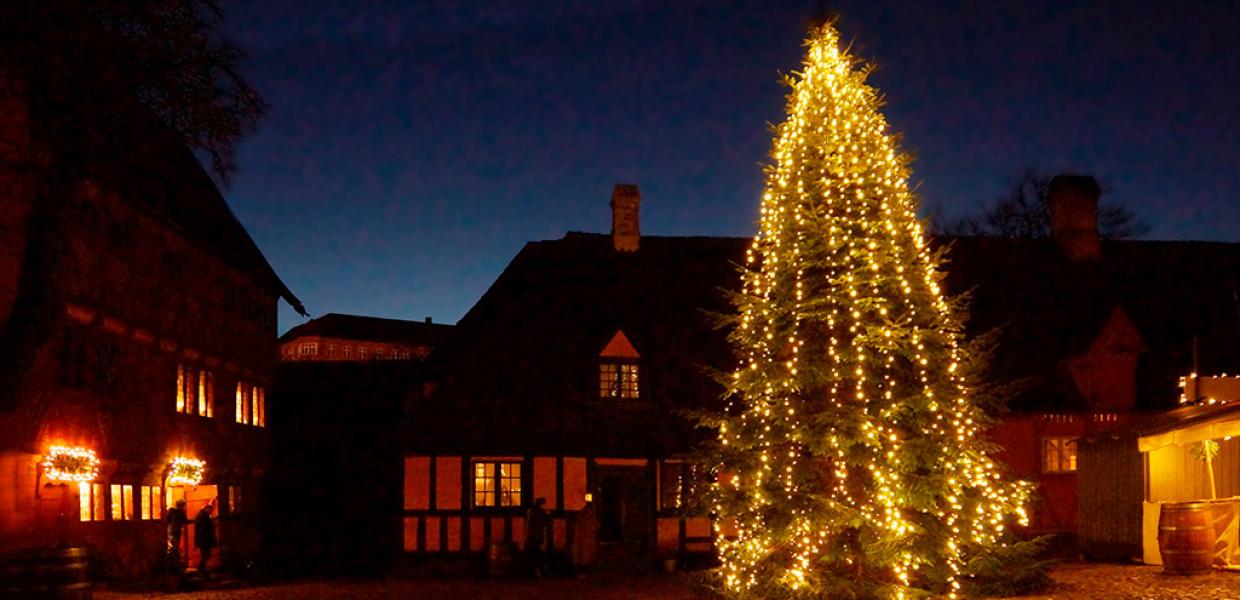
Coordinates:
column 1073, row 582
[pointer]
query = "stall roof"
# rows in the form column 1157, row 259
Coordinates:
column 1184, row 425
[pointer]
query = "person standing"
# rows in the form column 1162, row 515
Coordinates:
column 204, row 536
column 536, row 525
column 174, row 524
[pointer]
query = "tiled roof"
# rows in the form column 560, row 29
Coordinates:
column 523, row 360
column 371, row 329
column 161, row 175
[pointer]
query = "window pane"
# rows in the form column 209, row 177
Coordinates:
column 157, row 502
column 607, row 380
column 1050, row 455
column 210, row 394
column 116, row 502
column 96, row 500
column 484, row 484
column 628, row 382
column 510, row 484
column 180, row 388
column 127, row 504
column 84, row 501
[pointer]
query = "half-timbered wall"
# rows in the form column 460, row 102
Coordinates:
column 440, row 515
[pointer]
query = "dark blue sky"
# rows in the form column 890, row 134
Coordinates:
column 411, row 148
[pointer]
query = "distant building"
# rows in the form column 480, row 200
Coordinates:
column 151, row 347
column 351, row 338
column 566, row 379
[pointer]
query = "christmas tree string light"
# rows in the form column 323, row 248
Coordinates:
column 851, row 452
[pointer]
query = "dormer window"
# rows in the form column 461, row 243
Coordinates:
column 619, row 372
column 618, row 380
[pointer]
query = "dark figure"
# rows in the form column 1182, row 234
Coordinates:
column 536, row 525
column 204, row 537
column 174, row 523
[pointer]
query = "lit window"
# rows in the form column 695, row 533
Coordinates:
column 195, row 391
column 206, row 393
column 180, row 388
column 361, row 352
column 90, row 500
column 497, row 484
column 1058, row 455
column 618, row 380
column 251, row 405
column 241, row 402
column 151, row 509
column 348, row 351
column 122, row 502
column 331, row 350
column 210, row 395
column 191, row 391
column 258, row 407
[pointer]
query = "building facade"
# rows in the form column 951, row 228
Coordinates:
column 354, row 338
column 147, row 374
column 568, row 379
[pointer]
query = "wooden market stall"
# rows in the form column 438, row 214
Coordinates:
column 1175, row 475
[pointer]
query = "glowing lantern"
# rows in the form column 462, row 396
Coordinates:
column 65, row 463
column 185, row 471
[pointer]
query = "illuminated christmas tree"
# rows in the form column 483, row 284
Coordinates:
column 851, row 453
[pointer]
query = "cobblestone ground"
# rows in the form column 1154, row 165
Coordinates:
column 1072, row 582
column 593, row 587
column 1114, row 582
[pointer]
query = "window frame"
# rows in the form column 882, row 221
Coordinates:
column 92, row 506
column 1063, row 461
column 151, row 499
column 120, row 502
column 618, row 381
column 497, row 478
column 195, row 394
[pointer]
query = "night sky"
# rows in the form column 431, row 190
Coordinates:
column 411, row 148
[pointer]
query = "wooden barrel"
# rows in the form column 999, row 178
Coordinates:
column 1185, row 537
column 501, row 559
column 51, row 573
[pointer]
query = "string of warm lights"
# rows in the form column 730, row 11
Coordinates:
column 185, row 471
column 851, row 448
column 70, row 464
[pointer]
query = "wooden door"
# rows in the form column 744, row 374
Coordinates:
column 195, row 498
column 625, row 508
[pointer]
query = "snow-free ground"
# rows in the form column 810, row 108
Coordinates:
column 1072, row 582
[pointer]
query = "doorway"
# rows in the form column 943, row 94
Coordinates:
column 625, row 511
column 196, row 497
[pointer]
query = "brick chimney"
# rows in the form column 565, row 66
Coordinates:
column 625, row 226
column 1073, row 204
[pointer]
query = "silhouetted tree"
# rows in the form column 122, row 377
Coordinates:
column 80, row 81
column 1024, row 213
